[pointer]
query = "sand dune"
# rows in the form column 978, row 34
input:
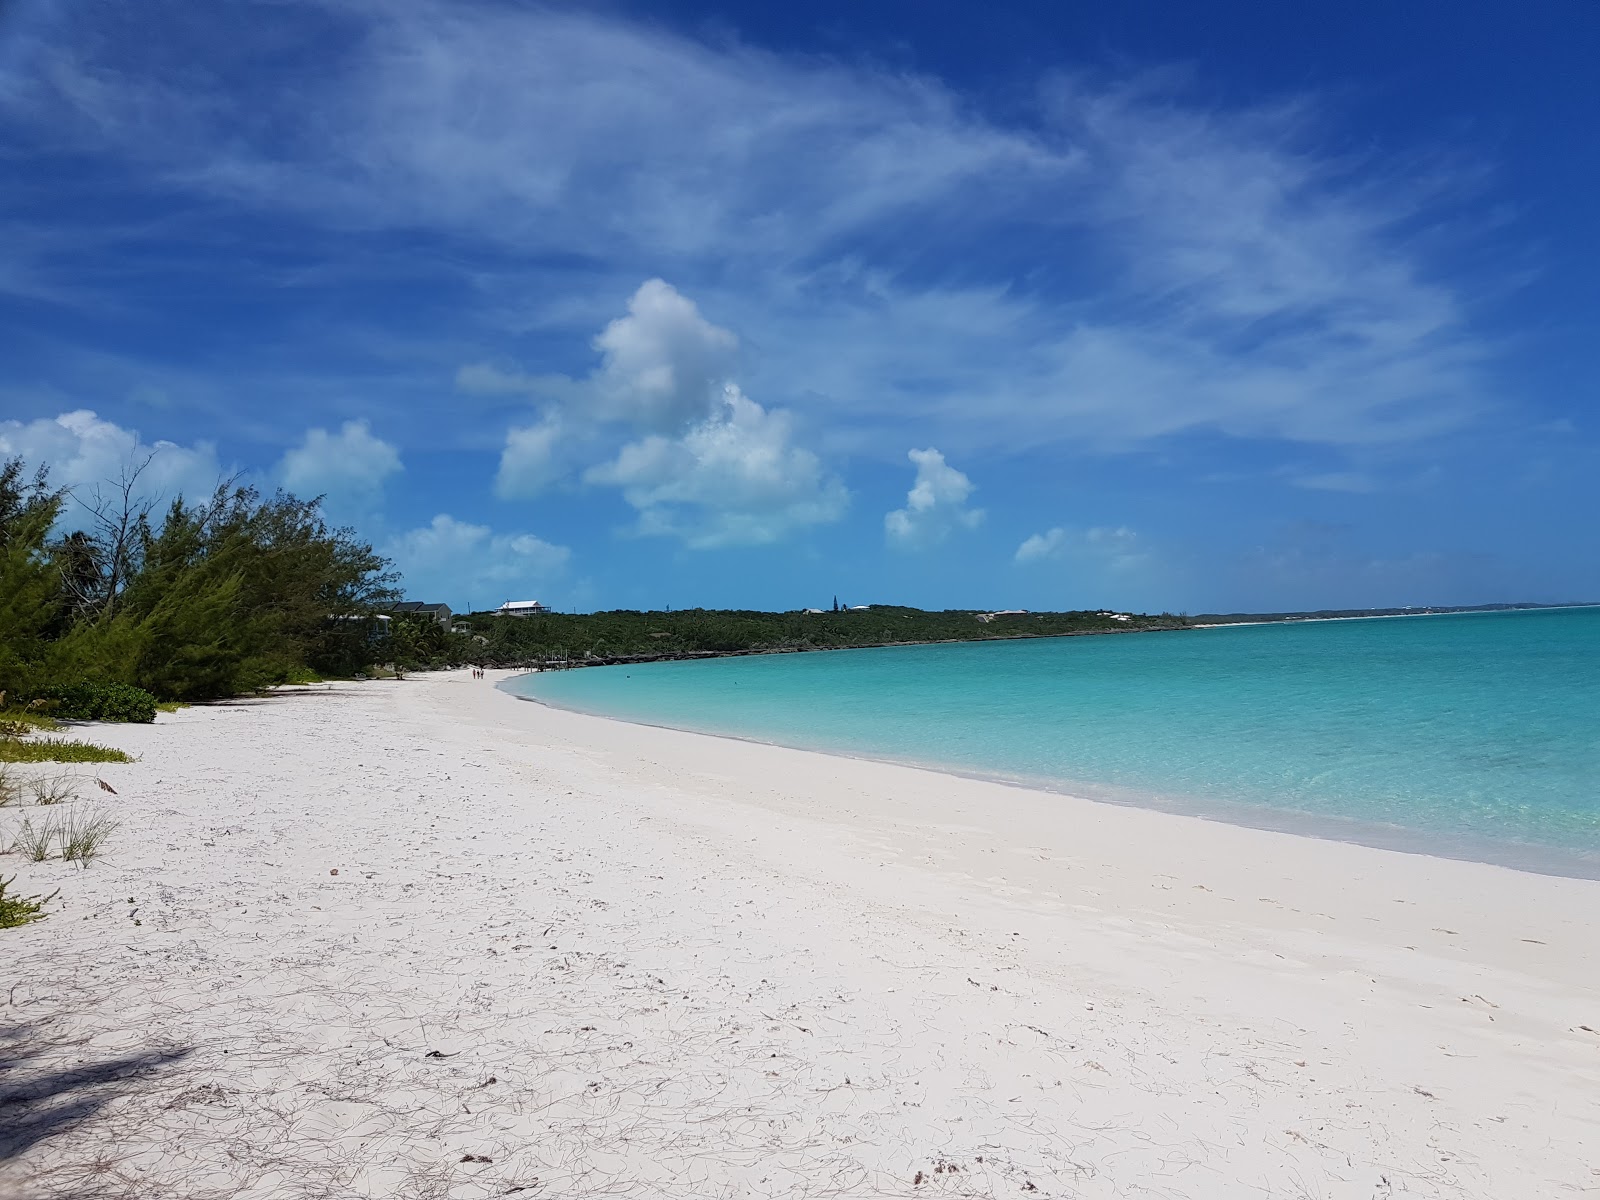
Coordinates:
column 421, row 939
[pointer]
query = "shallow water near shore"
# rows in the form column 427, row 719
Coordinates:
column 1467, row 735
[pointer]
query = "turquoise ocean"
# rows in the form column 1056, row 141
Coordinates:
column 1470, row 735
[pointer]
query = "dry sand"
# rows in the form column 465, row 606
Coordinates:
column 567, row 957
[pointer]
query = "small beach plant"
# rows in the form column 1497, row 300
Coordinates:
column 52, row 789
column 20, row 910
column 33, row 841
column 82, row 834
column 21, row 722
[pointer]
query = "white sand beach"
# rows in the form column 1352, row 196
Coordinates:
column 422, row 939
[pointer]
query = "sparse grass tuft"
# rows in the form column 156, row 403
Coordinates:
column 170, row 705
column 58, row 750
column 34, row 843
column 81, row 835
column 10, row 786
column 19, row 910
column 53, row 789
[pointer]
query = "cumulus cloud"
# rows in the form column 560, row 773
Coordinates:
column 1042, row 545
column 473, row 565
column 350, row 466
column 83, row 452
column 732, row 479
column 1116, row 548
column 664, row 365
column 699, row 460
column 936, row 505
column 531, row 460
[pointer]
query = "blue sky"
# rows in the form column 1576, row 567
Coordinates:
column 1174, row 307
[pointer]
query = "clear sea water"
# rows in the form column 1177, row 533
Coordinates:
column 1471, row 735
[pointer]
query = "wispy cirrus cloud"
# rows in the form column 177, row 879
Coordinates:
column 1210, row 268
column 1115, row 548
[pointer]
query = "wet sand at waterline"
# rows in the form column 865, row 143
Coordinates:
column 423, row 939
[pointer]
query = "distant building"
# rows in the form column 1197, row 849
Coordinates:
column 1004, row 612
column 520, row 608
column 439, row 612
column 377, row 623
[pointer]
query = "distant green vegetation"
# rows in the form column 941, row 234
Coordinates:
column 138, row 609
column 575, row 638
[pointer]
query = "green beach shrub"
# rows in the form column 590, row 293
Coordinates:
column 17, row 750
column 18, row 910
column 101, row 702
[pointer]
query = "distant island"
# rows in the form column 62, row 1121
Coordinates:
column 551, row 640
column 1339, row 614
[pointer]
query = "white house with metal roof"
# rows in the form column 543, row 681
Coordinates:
column 520, row 608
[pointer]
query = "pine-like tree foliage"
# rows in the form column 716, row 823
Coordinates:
column 208, row 600
column 30, row 593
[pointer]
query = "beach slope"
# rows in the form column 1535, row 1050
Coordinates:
column 422, row 939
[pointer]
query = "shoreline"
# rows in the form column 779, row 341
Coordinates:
column 634, row 660
column 618, row 660
column 413, row 939
column 1531, row 858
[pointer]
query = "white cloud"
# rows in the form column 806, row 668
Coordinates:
column 1115, row 548
column 466, row 564
column 349, row 467
column 712, row 466
column 1142, row 264
column 663, row 368
column 733, row 479
column 664, row 364
column 531, row 460
column 936, row 505
column 1042, row 546
column 84, row 452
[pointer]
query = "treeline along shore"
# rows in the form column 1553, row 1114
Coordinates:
column 563, row 640
column 560, row 640
column 238, row 591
